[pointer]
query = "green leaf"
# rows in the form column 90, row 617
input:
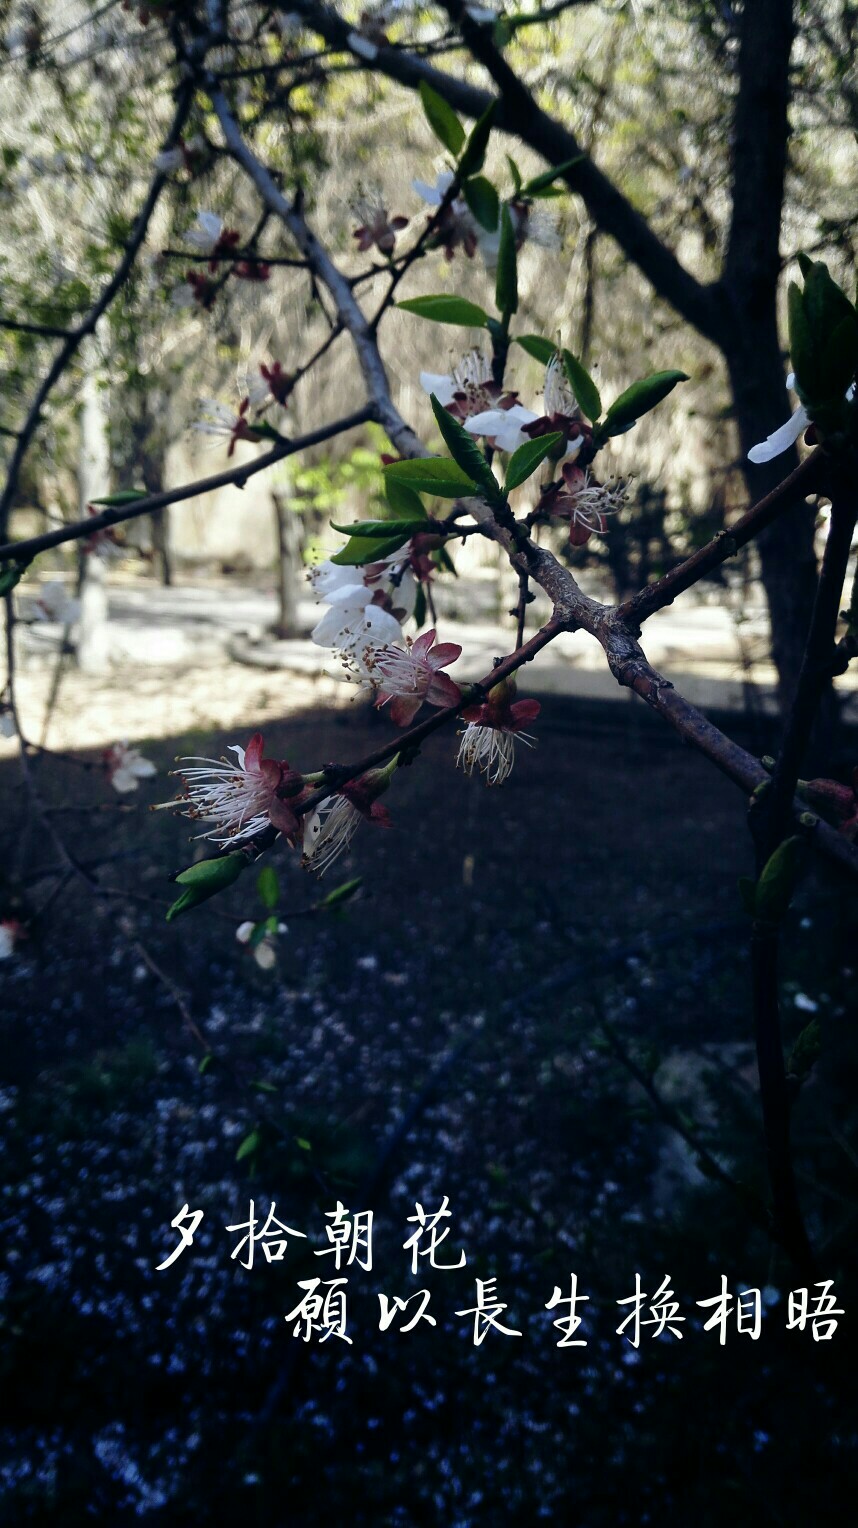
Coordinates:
column 543, row 182
column 12, row 575
column 205, row 1063
column 639, row 399
column 464, row 450
column 127, row 496
column 482, row 198
column 249, row 1145
column 264, row 1087
column 474, row 152
column 382, row 527
column 267, row 886
column 515, row 172
column 206, row 879
column 806, row 1051
column 341, row 893
column 541, row 350
column 360, row 550
column 801, row 346
column 778, row 880
column 583, row 386
column 442, row 309
column 506, row 286
column 403, row 501
column 442, row 119
column 304, row 1145
column 420, row 606
column 524, row 462
column 431, row 474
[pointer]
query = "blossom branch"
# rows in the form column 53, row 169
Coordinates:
column 349, row 311
column 519, row 115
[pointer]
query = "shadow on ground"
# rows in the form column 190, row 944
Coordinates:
column 444, row 1035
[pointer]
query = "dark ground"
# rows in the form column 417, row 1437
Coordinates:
column 441, row 1037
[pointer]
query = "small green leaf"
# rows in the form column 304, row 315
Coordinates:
column 267, row 886
column 403, row 501
column 543, row 182
column 127, row 496
column 382, row 528
column 12, row 575
column 420, row 606
column 806, row 1051
column 249, row 1145
column 205, row 879
column 441, row 309
column 541, row 350
column 524, row 462
column 474, row 152
column 778, row 880
column 442, row 119
column 431, row 474
column 506, row 287
column 341, row 893
column 205, row 1063
column 264, row 1087
column 464, row 450
column 360, row 550
column 515, row 173
column 583, row 386
column 303, row 1144
column 639, row 399
column 482, row 198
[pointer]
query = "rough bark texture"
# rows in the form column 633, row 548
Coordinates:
column 749, row 337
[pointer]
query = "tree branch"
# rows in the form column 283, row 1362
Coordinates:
column 72, row 343
column 519, row 115
column 24, row 551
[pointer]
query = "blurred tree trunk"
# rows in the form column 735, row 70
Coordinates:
column 93, row 646
column 288, row 527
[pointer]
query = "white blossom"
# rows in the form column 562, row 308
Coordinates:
column 127, row 767
column 53, row 603
column 205, row 233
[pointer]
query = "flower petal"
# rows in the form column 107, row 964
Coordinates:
column 443, row 653
column 523, row 711
column 421, row 645
column 443, row 387
column 253, row 754
column 781, row 439
column 443, row 691
column 404, row 708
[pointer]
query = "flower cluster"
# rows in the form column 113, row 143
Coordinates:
column 507, row 427
column 469, row 390
column 210, row 237
column 366, row 606
column 459, row 229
